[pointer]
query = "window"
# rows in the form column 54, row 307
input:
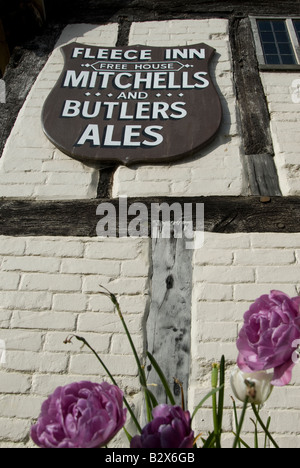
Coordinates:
column 277, row 42
column 297, row 28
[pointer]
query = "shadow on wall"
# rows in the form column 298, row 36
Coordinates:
column 92, row 11
column 29, row 41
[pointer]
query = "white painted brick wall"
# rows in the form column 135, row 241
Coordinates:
column 217, row 169
column 285, row 115
column 44, row 298
column 230, row 272
column 38, row 312
column 50, row 286
column 31, row 167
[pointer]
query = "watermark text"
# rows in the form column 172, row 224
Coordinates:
column 155, row 220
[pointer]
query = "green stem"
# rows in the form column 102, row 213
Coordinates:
column 267, row 426
column 236, row 420
column 142, row 374
column 209, row 442
column 239, row 429
column 255, row 433
column 214, row 384
column 140, row 368
column 263, row 426
column 83, row 340
column 162, row 378
column 216, row 421
column 221, row 394
column 198, row 407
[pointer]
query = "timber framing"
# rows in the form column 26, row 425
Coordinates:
column 157, row 10
column 222, row 214
column 78, row 218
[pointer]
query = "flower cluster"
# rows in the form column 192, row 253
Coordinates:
column 80, row 415
column 89, row 415
column 272, row 324
column 170, row 428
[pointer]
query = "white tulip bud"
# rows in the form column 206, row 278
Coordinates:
column 256, row 386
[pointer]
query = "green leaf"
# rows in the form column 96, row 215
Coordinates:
column 241, row 422
column 241, row 441
column 148, row 405
column 210, row 394
column 154, row 401
column 221, row 393
column 129, row 437
column 141, row 371
column 83, row 340
column 265, row 429
column 267, row 426
column 162, row 378
column 209, row 441
column 236, row 419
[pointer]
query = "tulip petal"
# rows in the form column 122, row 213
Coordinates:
column 271, row 326
column 80, row 415
column 283, row 374
column 170, row 428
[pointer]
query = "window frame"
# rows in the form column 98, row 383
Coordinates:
column 295, row 43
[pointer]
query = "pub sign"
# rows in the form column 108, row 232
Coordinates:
column 133, row 104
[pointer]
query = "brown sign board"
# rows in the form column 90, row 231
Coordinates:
column 133, row 104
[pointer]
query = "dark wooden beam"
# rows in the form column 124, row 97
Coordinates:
column 26, row 62
column 255, row 117
column 261, row 173
column 95, row 11
column 259, row 165
column 78, row 218
column 106, row 178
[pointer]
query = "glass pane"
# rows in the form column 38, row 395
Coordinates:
column 282, row 37
column 272, row 60
column 264, row 25
column 279, row 25
column 285, row 49
column 297, row 27
column 267, row 37
column 288, row 60
column 270, row 49
column 276, row 42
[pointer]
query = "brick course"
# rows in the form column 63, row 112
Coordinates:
column 257, row 264
column 50, row 286
column 43, row 300
column 35, row 322
column 285, row 116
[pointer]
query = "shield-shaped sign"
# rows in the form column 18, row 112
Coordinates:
column 133, row 104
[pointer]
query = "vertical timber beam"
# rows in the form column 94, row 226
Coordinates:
column 168, row 326
column 259, row 162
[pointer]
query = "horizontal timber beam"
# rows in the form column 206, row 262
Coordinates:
column 79, row 219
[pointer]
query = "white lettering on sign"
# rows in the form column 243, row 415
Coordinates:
column 132, row 136
column 150, row 80
column 115, row 54
column 121, row 104
column 142, row 110
column 173, row 54
column 107, row 54
column 138, row 75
